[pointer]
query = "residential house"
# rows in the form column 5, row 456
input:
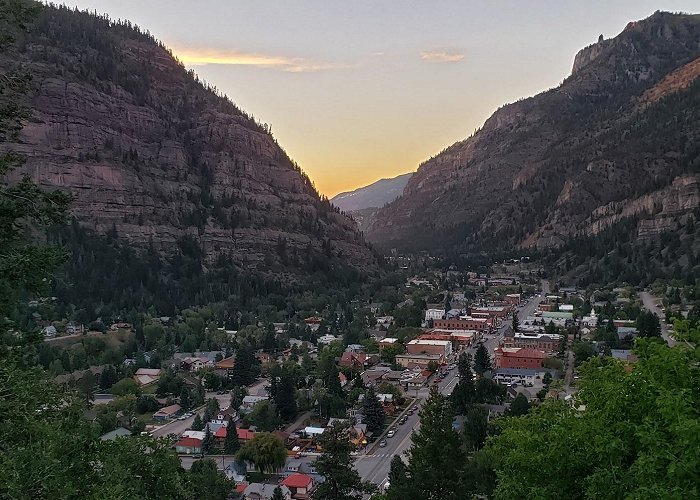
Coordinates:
column 385, row 321
column 146, row 376
column 194, row 364
column 222, row 416
column 225, row 366
column 49, row 331
column 167, row 413
column 236, row 471
column 300, row 485
column 189, row 446
column 313, row 323
column 370, row 378
column 326, row 339
column 386, row 342
column 264, row 491
column 433, row 314
column 244, row 435
column 358, row 361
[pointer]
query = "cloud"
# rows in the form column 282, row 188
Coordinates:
column 201, row 57
column 440, row 56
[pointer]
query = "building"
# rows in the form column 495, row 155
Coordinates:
column 189, row 446
column 300, row 485
column 557, row 315
column 512, row 299
column 358, row 361
column 433, row 314
column 264, row 491
column 386, row 342
column 428, row 346
column 540, row 341
column 116, row 433
column 145, row 376
column 482, row 325
column 514, row 357
column 509, row 375
column 250, row 401
column 167, row 413
column 420, row 360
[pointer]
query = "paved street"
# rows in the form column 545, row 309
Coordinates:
column 651, row 304
column 177, row 427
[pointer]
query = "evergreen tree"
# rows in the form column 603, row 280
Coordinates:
column 399, row 480
column 108, row 377
column 437, row 459
column 475, row 427
column 246, row 368
column 208, row 441
column 185, row 398
column 373, row 412
column 482, row 360
column 342, row 482
column 197, row 423
column 277, row 494
column 516, row 322
column 464, row 392
column 285, row 399
column 520, row 406
column 231, row 444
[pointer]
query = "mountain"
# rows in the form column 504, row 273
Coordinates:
column 375, row 195
column 616, row 143
column 164, row 164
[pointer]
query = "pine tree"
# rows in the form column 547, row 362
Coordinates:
column 208, row 441
column 231, row 444
column 437, row 461
column 482, row 361
column 277, row 494
column 197, row 424
column 185, row 399
column 464, row 392
column 373, row 412
column 399, row 480
column 342, row 482
column 516, row 322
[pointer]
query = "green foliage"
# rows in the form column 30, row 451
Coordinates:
column 437, row 460
column 583, row 351
column 264, row 416
column 231, row 444
column 266, row 451
column 648, row 324
column 208, row 441
column 475, row 428
column 399, row 480
column 208, row 482
column 464, row 392
column 373, row 413
column 636, row 438
column 342, row 482
column 482, row 360
column 520, row 406
column 126, row 386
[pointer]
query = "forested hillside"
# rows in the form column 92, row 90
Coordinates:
column 615, row 144
column 179, row 197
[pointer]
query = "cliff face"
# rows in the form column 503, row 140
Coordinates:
column 150, row 152
column 619, row 128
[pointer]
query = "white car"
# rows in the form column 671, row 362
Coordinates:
column 390, row 434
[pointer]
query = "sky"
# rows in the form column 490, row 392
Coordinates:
column 359, row 90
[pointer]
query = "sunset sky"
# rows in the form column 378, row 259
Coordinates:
column 360, row 90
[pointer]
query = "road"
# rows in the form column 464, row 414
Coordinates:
column 177, row 427
column 651, row 304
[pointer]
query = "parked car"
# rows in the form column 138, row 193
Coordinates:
column 382, row 443
column 390, row 434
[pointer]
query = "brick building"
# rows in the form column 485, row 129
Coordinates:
column 482, row 325
column 514, row 357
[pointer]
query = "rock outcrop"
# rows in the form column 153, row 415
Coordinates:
column 153, row 154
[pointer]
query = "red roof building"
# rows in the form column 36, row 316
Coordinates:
column 513, row 357
column 189, row 446
column 299, row 484
column 245, row 434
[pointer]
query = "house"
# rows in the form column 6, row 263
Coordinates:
column 358, row 435
column 222, row 416
column 264, row 491
column 314, row 431
column 433, row 314
column 116, row 433
column 245, row 435
column 386, row 342
column 236, row 471
column 326, row 339
column 343, row 379
column 219, row 434
column 385, row 321
column 313, row 323
column 188, row 446
column 194, row 364
column 624, row 355
column 146, row 376
column 514, row 357
column 49, row 331
column 358, row 361
column 299, row 484
column 371, row 378
column 226, row 364
column 167, row 413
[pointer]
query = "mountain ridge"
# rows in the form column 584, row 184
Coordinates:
column 374, row 195
column 539, row 167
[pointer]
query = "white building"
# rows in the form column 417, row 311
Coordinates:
column 431, row 314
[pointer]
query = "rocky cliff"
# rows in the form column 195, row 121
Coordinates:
column 623, row 128
column 153, row 155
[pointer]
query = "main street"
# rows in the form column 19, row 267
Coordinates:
column 374, row 466
column 651, row 304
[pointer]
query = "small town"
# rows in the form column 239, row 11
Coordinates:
column 263, row 402
column 349, row 250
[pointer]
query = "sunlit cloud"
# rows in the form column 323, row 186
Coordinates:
column 440, row 56
column 202, row 57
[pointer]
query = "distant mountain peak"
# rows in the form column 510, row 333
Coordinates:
column 374, row 195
